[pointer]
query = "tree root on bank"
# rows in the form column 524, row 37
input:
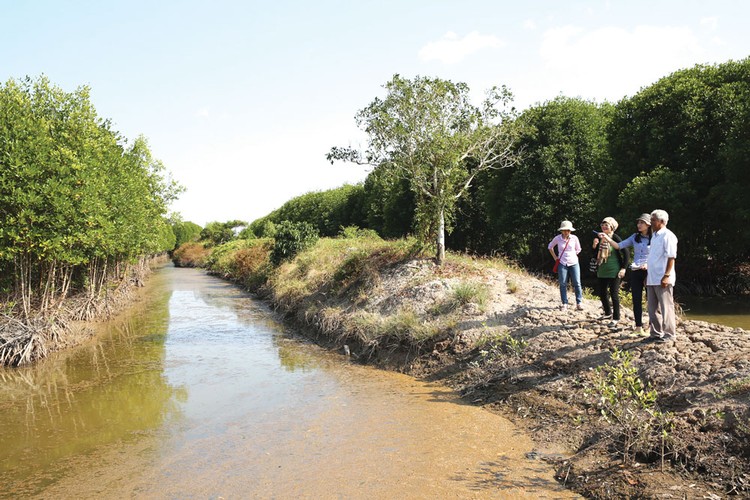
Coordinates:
column 23, row 342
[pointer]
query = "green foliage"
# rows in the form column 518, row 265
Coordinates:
column 565, row 161
column 389, row 203
column 630, row 405
column 263, row 227
column 247, row 233
column 590, row 294
column 326, row 211
column 185, row 231
column 683, row 144
column 72, row 194
column 218, row 233
column 426, row 132
column 292, row 238
column 354, row 232
column 221, row 255
column 244, row 261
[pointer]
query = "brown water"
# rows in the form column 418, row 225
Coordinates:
column 197, row 392
column 729, row 311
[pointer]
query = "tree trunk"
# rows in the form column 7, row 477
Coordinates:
column 441, row 237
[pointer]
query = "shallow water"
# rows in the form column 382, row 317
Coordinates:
column 729, row 311
column 199, row 392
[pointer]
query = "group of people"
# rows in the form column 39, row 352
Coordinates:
column 654, row 253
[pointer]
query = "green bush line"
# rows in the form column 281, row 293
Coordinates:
column 679, row 144
column 78, row 204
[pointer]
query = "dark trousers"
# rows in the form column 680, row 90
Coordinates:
column 611, row 285
column 637, row 285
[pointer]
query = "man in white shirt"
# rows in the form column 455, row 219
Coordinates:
column 660, row 280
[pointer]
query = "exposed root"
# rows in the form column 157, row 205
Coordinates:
column 23, row 342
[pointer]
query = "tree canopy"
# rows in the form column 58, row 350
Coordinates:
column 427, row 132
column 73, row 193
column 680, row 144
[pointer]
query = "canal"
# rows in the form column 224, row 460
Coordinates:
column 197, row 391
column 731, row 311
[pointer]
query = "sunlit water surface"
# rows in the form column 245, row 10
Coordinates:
column 198, row 392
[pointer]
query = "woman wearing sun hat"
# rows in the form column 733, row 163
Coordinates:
column 640, row 241
column 568, row 248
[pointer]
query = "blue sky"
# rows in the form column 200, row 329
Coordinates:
column 242, row 99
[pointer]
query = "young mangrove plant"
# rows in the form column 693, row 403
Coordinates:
column 630, row 407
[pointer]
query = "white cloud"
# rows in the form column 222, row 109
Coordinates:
column 529, row 24
column 203, row 112
column 614, row 62
column 451, row 49
column 712, row 23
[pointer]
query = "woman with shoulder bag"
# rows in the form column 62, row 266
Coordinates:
column 610, row 270
column 566, row 263
column 640, row 241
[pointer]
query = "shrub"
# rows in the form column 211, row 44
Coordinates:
column 500, row 344
column 185, row 232
column 261, row 228
column 354, row 232
column 191, row 254
column 630, row 406
column 252, row 264
column 292, row 238
column 221, row 259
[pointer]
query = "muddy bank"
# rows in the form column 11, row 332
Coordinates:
column 511, row 350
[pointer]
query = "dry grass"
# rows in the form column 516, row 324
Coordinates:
column 334, row 286
column 191, row 254
column 334, row 265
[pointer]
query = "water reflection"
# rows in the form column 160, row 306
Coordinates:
column 109, row 390
column 200, row 393
column 195, row 300
column 295, row 358
column 729, row 311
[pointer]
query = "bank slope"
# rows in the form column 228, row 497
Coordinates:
column 496, row 334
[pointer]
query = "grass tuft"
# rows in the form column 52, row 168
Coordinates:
column 468, row 292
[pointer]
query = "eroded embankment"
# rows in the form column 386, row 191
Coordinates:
column 495, row 334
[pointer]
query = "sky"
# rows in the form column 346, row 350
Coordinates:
column 241, row 100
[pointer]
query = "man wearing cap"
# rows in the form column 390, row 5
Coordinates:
column 660, row 280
